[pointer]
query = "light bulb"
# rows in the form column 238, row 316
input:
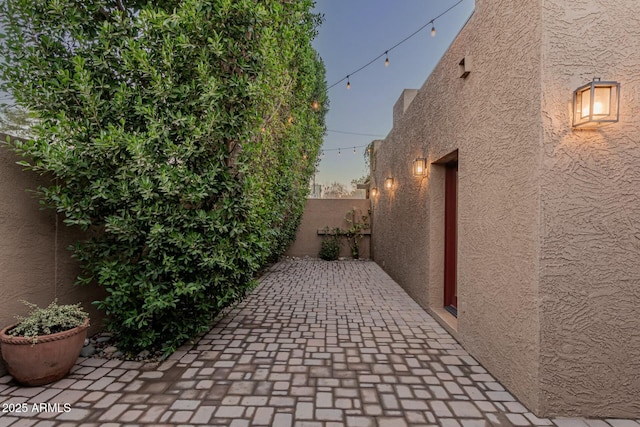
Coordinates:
column 386, row 61
column 433, row 30
column 597, row 108
column 348, row 83
column 354, row 150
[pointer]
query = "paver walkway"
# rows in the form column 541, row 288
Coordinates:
column 317, row 344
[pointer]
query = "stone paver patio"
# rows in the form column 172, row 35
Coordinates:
column 317, row 344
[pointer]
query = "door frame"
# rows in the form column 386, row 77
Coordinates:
column 450, row 302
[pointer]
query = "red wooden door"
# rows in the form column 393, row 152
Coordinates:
column 451, row 237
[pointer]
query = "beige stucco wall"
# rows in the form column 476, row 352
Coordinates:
column 34, row 265
column 548, row 235
column 492, row 119
column 590, row 254
column 321, row 213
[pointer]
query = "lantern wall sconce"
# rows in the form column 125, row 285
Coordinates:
column 596, row 103
column 388, row 183
column 373, row 192
column 419, row 166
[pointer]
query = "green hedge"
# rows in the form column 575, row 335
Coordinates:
column 182, row 136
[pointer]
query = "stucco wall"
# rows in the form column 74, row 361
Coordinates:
column 548, row 235
column 35, row 265
column 321, row 213
column 492, row 118
column 590, row 258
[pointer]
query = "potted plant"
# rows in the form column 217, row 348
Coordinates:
column 44, row 345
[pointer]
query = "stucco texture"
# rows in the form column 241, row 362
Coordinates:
column 548, row 236
column 332, row 213
column 590, row 255
column 499, row 156
column 35, row 264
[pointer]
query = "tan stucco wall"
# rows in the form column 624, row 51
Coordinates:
column 492, row 119
column 590, row 254
column 548, row 235
column 34, row 265
column 321, row 213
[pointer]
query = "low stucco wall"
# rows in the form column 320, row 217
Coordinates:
column 321, row 213
column 35, row 264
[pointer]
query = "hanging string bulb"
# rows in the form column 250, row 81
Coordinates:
column 339, row 151
column 354, row 150
column 386, row 62
column 315, row 105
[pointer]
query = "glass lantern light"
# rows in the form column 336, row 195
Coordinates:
column 419, row 166
column 388, row 183
column 596, row 104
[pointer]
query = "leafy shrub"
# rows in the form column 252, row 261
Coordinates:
column 45, row 321
column 330, row 246
column 355, row 232
column 181, row 136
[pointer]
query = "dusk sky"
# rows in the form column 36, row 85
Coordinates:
column 353, row 33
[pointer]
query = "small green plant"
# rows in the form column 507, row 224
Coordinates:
column 45, row 321
column 330, row 247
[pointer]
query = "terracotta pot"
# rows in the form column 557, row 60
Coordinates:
column 49, row 360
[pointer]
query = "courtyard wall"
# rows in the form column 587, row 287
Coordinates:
column 35, row 263
column 322, row 213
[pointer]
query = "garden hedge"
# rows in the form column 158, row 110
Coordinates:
column 181, row 136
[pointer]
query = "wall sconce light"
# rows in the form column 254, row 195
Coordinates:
column 388, row 183
column 373, row 192
column 596, row 103
column 419, row 166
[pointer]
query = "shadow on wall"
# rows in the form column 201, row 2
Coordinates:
column 34, row 261
column 320, row 214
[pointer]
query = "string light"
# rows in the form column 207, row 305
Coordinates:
column 339, row 150
column 386, row 52
column 356, row 133
column 354, row 150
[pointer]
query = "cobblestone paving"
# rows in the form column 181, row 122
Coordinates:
column 317, row 344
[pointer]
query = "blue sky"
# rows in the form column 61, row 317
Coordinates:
column 353, row 33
